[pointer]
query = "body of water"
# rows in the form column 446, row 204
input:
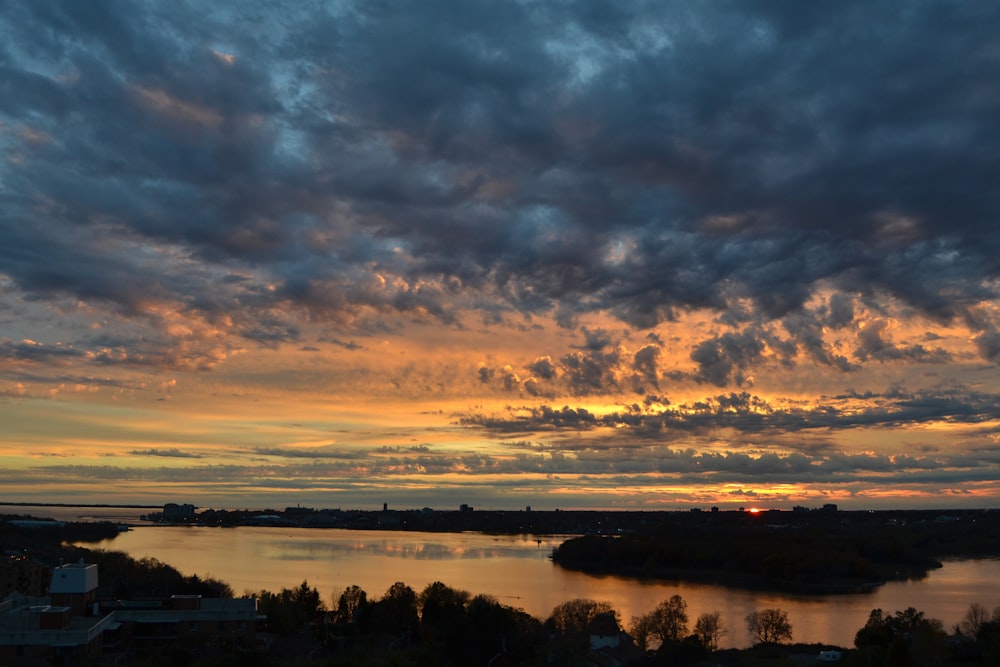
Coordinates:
column 517, row 571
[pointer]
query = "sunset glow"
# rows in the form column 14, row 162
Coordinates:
column 628, row 256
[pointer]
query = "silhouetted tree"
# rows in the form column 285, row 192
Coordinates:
column 710, row 630
column 769, row 626
column 906, row 638
column 291, row 609
column 667, row 623
column 974, row 619
column 574, row 616
column 396, row 612
column 308, row 600
column 352, row 605
column 442, row 616
column 440, row 604
column 209, row 588
column 494, row 629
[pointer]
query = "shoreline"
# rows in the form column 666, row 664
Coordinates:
column 82, row 506
column 744, row 582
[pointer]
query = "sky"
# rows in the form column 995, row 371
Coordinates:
column 624, row 255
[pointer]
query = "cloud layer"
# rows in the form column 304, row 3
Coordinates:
column 678, row 226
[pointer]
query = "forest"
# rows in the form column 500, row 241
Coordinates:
column 814, row 553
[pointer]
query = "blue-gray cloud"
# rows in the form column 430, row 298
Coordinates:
column 644, row 159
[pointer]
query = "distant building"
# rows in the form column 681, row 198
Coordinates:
column 604, row 631
column 178, row 513
column 190, row 619
column 609, row 644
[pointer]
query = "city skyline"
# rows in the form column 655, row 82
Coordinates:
column 566, row 255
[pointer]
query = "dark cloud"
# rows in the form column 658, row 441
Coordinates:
column 347, row 345
column 601, row 365
column 746, row 413
column 596, row 468
column 645, row 362
column 32, row 351
column 543, row 368
column 807, row 330
column 172, row 452
column 368, row 160
column 309, row 453
column 875, row 343
column 726, row 357
column 841, row 311
column 988, row 344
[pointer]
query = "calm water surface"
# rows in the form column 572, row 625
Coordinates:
column 517, row 571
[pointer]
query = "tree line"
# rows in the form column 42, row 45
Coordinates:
column 441, row 625
column 813, row 553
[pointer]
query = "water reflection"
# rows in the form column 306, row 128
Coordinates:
column 517, row 571
column 407, row 548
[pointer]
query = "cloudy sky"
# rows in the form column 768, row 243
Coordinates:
column 561, row 254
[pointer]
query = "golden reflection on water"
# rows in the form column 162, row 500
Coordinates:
column 517, row 571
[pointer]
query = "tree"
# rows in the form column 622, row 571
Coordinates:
column 396, row 611
column 641, row 630
column 442, row 610
column 574, row 616
column 308, row 600
column 292, row 609
column 710, row 629
column 440, row 604
column 208, row 587
column 974, row 619
column 494, row 628
column 903, row 638
column 667, row 623
column 769, row 626
column 351, row 606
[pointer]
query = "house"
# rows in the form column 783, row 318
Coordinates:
column 610, row 646
column 604, row 631
column 187, row 620
column 71, row 624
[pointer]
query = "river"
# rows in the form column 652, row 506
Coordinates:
column 517, row 571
